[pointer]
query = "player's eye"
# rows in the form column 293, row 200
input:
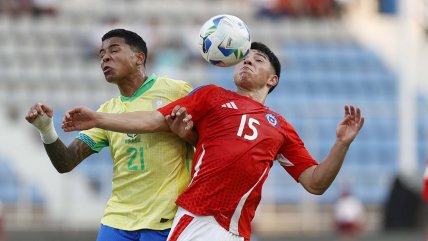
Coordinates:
column 115, row 50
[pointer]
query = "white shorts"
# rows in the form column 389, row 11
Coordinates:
column 190, row 227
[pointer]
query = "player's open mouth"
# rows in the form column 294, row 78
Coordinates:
column 107, row 69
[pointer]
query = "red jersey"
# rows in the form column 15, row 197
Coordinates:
column 239, row 139
column 425, row 191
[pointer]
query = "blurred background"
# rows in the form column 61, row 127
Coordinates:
column 370, row 53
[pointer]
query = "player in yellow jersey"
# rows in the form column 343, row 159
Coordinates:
column 150, row 170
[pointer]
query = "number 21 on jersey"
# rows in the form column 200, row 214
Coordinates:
column 136, row 154
column 251, row 124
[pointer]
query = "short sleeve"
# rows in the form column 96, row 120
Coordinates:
column 293, row 155
column 95, row 138
column 186, row 89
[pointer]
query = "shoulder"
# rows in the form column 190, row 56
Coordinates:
column 175, row 87
column 278, row 120
column 207, row 89
column 287, row 129
column 164, row 80
column 109, row 105
column 280, row 117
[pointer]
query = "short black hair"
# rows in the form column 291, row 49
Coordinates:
column 135, row 41
column 274, row 61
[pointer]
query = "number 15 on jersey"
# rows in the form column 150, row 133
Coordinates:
column 251, row 124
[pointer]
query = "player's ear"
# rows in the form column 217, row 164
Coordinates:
column 272, row 81
column 141, row 58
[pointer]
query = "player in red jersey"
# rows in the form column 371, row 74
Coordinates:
column 239, row 138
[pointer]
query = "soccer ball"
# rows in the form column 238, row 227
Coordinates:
column 224, row 40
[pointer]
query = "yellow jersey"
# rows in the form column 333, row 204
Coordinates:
column 149, row 170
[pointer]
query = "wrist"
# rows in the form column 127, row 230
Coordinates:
column 48, row 135
column 98, row 119
column 44, row 125
column 342, row 143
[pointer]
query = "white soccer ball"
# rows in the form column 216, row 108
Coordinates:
column 224, row 40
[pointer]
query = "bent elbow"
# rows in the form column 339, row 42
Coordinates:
column 317, row 190
column 63, row 170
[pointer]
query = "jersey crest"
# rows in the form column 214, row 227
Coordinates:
column 158, row 103
column 271, row 118
column 132, row 135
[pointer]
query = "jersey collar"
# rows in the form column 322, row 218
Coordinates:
column 143, row 88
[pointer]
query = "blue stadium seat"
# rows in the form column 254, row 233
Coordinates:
column 36, row 195
column 9, row 193
column 8, row 183
column 11, row 188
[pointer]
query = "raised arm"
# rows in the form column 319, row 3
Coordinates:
column 317, row 179
column 63, row 158
column 83, row 118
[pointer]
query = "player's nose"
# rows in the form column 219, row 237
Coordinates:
column 106, row 57
column 248, row 61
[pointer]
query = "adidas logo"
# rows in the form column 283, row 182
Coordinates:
column 230, row 105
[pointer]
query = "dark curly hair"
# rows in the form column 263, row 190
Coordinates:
column 134, row 40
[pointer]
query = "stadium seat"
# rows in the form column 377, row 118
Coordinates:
column 8, row 182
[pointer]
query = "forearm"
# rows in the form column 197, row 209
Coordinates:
column 132, row 122
column 325, row 173
column 59, row 156
column 64, row 158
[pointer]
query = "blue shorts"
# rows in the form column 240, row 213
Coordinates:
column 107, row 233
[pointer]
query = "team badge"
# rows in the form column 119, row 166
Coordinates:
column 272, row 119
column 158, row 102
column 135, row 138
column 132, row 135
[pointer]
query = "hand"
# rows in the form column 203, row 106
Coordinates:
column 40, row 115
column 351, row 125
column 79, row 118
column 37, row 110
column 180, row 122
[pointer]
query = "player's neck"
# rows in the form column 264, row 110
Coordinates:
column 258, row 96
column 129, row 86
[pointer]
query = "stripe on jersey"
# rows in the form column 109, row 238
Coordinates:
column 185, row 220
column 234, row 222
column 198, row 164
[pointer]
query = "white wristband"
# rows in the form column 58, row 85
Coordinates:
column 44, row 125
column 49, row 136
